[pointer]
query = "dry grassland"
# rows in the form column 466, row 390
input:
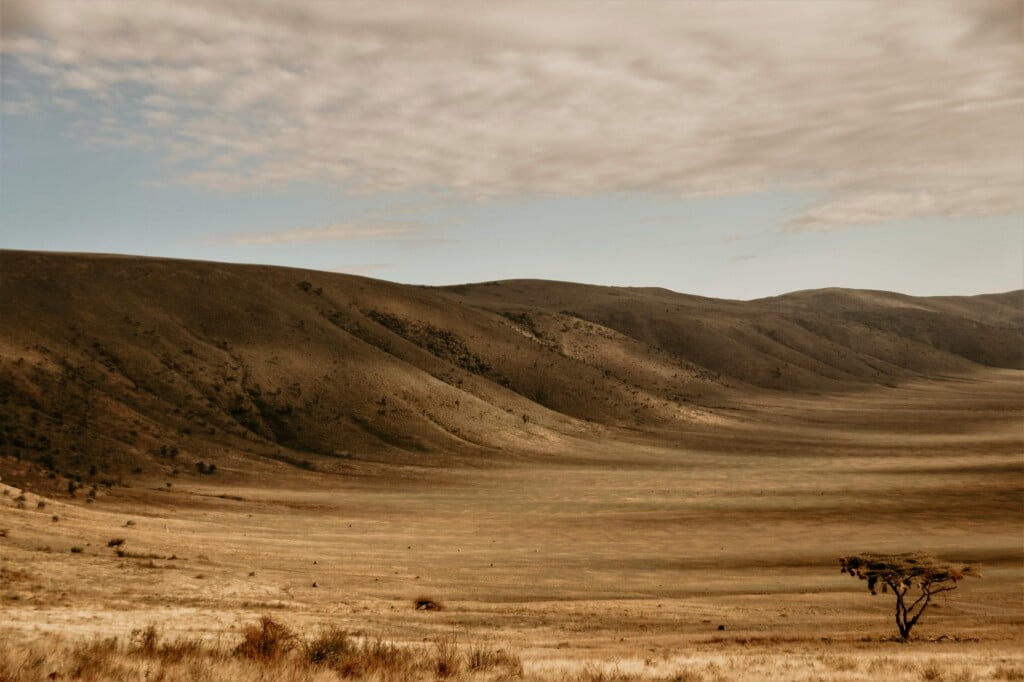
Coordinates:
column 607, row 560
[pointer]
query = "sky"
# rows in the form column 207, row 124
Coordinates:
column 731, row 149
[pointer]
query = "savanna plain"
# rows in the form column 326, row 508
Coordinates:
column 578, row 542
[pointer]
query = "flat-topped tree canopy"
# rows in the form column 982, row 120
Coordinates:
column 902, row 573
column 905, row 570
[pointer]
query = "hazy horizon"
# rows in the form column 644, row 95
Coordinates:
column 443, row 285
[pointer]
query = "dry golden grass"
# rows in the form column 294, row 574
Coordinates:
column 268, row 650
column 335, row 655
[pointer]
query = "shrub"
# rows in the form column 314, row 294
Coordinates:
column 266, row 640
column 76, row 550
column 206, row 469
column 335, row 649
column 427, row 604
column 330, row 648
column 116, row 542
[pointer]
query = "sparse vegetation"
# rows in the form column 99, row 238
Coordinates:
column 442, row 343
column 424, row 603
column 448, row 660
column 486, row 658
column 564, row 540
column 1003, row 672
column 146, row 654
column 146, row 639
column 330, row 648
column 267, row 640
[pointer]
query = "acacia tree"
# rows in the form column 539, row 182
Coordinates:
column 913, row 578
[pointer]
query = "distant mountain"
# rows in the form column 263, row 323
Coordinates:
column 115, row 364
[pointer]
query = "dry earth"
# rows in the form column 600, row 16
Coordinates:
column 594, row 540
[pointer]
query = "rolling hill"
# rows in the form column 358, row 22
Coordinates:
column 115, row 366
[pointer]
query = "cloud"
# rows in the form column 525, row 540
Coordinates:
column 17, row 16
column 889, row 110
column 22, row 107
column 316, row 234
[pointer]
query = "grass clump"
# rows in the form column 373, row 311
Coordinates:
column 447, row 661
column 146, row 640
column 266, row 640
column 482, row 658
column 377, row 658
column 95, row 660
column 331, row 648
column 179, row 650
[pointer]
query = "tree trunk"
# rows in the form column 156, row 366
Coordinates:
column 901, row 615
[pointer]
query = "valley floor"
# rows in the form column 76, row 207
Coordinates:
column 707, row 555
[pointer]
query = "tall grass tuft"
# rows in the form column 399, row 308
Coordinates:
column 266, row 640
column 447, row 660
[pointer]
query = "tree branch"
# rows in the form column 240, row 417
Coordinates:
column 913, row 621
column 944, row 589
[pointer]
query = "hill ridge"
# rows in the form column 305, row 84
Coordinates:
column 108, row 363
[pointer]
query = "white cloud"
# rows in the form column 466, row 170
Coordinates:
column 891, row 109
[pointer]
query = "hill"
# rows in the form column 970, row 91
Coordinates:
column 115, row 366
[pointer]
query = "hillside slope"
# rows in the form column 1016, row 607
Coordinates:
column 112, row 365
